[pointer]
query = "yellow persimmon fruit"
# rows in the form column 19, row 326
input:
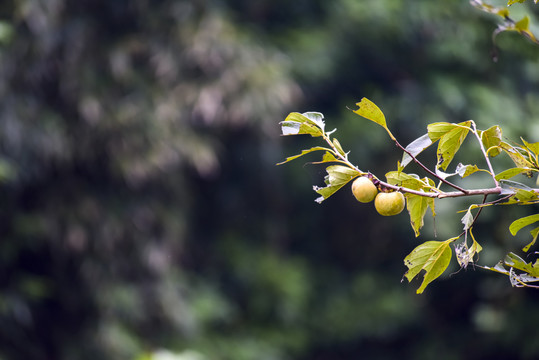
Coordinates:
column 389, row 204
column 364, row 190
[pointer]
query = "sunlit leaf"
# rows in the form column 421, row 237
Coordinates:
column 310, row 123
column 316, row 148
column 337, row 177
column 369, row 110
column 417, row 207
column 491, row 138
column 534, row 147
column 328, row 157
column 515, row 155
column 439, row 129
column 415, row 148
column 518, row 224
column 433, row 257
column 450, row 143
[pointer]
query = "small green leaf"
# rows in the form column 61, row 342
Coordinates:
column 509, row 173
column 491, row 138
column 337, row 177
column 329, row 157
column 316, row 148
column 534, row 147
column 338, row 146
column 523, row 24
column 511, row 2
column 450, row 143
column 415, row 148
column 417, row 207
column 431, row 256
column 518, row 224
column 534, row 234
column 370, row 111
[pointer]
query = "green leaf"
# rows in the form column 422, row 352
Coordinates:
column 309, row 123
column 417, row 208
column 511, row 2
column 415, row 148
column 533, row 147
column 439, row 129
column 518, row 224
column 337, row 177
column 329, row 157
column 534, row 234
column 431, row 256
column 526, row 195
column 338, row 146
column 450, row 143
column 491, row 138
column 410, row 181
column 509, row 173
column 370, row 111
column 303, row 152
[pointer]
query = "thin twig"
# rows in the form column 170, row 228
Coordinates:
column 474, row 130
column 464, row 191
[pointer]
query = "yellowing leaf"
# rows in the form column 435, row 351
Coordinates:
column 491, row 138
column 450, row 143
column 417, row 208
column 433, row 257
column 370, row 111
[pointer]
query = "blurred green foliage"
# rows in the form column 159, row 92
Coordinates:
column 141, row 208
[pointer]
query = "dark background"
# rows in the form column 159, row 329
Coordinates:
column 142, row 214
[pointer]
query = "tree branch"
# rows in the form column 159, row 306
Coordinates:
column 464, row 191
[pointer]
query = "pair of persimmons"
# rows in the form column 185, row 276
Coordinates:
column 386, row 203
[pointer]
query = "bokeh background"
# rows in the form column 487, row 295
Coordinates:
column 142, row 215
